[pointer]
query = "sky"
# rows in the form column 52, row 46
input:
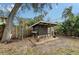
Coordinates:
column 54, row 15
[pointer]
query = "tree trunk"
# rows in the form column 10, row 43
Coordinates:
column 7, row 31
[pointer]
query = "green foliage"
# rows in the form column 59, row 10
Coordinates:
column 36, row 7
column 58, row 28
column 35, row 20
column 23, row 27
column 71, row 24
column 67, row 13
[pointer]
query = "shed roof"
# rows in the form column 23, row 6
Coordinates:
column 44, row 23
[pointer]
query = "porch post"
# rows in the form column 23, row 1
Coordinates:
column 53, row 34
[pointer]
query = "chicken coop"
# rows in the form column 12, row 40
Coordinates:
column 43, row 29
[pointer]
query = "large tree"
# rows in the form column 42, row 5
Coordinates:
column 37, row 7
column 67, row 13
column 69, row 21
column 71, row 24
column 7, row 31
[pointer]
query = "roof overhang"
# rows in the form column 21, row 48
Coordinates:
column 44, row 24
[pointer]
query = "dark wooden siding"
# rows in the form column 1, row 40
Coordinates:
column 41, row 30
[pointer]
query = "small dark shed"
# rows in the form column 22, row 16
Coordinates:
column 43, row 28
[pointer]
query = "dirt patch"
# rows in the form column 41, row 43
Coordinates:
column 62, row 45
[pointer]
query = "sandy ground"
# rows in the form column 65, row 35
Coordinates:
column 22, row 46
column 60, row 42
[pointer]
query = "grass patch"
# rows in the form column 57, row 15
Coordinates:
column 59, row 51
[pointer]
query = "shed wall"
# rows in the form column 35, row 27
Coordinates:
column 41, row 30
